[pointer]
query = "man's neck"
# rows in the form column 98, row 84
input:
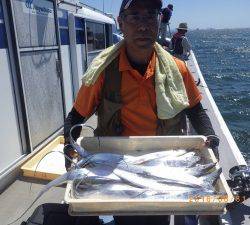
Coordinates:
column 139, row 56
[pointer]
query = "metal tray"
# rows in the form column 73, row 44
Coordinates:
column 138, row 146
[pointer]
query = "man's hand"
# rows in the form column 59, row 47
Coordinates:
column 213, row 143
column 70, row 153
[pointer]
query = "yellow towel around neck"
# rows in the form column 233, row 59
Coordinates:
column 171, row 96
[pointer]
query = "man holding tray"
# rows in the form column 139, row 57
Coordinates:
column 138, row 89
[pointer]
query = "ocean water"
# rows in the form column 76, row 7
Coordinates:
column 224, row 59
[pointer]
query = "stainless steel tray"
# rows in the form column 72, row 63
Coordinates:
column 209, row 205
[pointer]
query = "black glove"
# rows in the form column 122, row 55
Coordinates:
column 68, row 152
column 213, row 142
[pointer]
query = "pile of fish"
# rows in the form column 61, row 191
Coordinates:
column 167, row 174
column 173, row 174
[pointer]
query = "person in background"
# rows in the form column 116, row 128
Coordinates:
column 119, row 86
column 166, row 15
column 179, row 45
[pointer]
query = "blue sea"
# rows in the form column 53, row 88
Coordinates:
column 224, row 59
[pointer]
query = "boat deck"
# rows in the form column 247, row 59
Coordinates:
column 19, row 195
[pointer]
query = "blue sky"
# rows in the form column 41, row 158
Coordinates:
column 197, row 13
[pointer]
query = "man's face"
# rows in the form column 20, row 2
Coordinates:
column 139, row 24
column 182, row 31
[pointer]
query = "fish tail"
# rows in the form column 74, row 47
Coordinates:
column 212, row 177
column 58, row 181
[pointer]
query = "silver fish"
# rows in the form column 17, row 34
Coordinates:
column 104, row 158
column 187, row 160
column 169, row 174
column 78, row 174
column 124, row 191
column 200, row 170
column 147, row 159
column 197, row 171
column 106, row 191
column 208, row 181
column 121, row 190
column 108, row 173
column 116, row 158
column 152, row 184
column 155, row 155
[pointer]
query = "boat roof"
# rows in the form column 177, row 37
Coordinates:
column 91, row 13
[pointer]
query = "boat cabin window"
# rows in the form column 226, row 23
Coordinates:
column 95, row 36
column 80, row 34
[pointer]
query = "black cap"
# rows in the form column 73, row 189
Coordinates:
column 170, row 6
column 126, row 3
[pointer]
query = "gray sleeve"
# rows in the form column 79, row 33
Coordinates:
column 186, row 45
